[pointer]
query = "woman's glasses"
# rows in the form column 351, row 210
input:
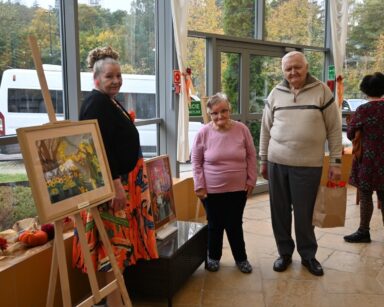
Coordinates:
column 222, row 112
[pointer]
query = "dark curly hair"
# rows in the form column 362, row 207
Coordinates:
column 373, row 85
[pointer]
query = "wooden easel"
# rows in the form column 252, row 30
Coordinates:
column 59, row 263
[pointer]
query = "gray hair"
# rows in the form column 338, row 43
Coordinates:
column 291, row 54
column 100, row 56
column 98, row 67
column 217, row 98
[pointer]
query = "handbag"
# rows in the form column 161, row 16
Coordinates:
column 330, row 205
column 356, row 145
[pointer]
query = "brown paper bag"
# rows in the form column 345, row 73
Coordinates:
column 330, row 207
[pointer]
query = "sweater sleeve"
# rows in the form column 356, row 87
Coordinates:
column 332, row 120
column 266, row 125
column 197, row 158
column 251, row 158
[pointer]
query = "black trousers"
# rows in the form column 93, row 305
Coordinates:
column 293, row 188
column 225, row 212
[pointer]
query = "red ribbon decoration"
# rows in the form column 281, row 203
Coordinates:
column 339, row 90
column 333, row 184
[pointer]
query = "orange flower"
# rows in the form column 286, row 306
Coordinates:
column 132, row 115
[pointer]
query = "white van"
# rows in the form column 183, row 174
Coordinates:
column 22, row 104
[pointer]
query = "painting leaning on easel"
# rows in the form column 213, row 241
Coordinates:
column 66, row 167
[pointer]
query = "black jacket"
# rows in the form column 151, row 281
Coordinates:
column 119, row 134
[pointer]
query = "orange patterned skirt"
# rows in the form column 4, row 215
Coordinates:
column 131, row 230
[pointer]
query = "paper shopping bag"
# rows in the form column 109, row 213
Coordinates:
column 330, row 205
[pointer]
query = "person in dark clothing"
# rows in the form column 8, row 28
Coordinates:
column 367, row 173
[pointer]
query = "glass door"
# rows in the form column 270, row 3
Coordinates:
column 247, row 76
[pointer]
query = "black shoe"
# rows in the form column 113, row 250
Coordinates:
column 212, row 265
column 313, row 266
column 360, row 236
column 282, row 263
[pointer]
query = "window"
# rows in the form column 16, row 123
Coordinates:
column 296, row 22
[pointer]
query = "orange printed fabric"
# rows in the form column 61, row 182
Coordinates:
column 131, row 231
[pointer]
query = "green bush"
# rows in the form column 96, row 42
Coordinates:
column 16, row 203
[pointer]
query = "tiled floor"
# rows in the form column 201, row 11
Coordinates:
column 354, row 273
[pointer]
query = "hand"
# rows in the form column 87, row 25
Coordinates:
column 348, row 118
column 334, row 173
column 120, row 200
column 249, row 189
column 264, row 170
column 201, row 193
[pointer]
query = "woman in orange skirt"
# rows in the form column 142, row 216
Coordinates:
column 127, row 218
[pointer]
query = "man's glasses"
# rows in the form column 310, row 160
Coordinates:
column 222, row 112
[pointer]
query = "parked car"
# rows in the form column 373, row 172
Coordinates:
column 349, row 106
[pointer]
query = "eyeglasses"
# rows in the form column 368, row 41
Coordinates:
column 222, row 112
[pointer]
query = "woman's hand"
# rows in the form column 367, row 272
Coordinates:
column 120, row 200
column 201, row 193
column 248, row 189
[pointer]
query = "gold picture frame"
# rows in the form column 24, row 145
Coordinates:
column 66, row 166
column 161, row 190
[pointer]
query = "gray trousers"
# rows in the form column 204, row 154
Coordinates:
column 293, row 188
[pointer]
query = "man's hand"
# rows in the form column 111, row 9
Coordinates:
column 334, row 173
column 264, row 170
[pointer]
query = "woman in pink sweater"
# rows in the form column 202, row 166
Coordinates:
column 224, row 173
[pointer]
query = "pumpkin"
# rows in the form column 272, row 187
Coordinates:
column 33, row 237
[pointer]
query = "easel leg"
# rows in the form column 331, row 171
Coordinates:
column 115, row 268
column 87, row 259
column 62, row 264
column 52, row 277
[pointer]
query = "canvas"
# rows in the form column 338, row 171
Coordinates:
column 66, row 166
column 161, row 190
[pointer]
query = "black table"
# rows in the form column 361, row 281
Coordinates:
column 180, row 254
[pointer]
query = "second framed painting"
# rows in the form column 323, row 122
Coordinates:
column 161, row 190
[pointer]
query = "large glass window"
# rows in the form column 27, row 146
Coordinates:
column 365, row 44
column 230, row 78
column 265, row 73
column 129, row 28
column 295, row 21
column 21, row 102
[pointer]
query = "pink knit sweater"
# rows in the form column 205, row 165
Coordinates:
column 224, row 161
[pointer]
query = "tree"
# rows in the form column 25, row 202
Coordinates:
column 144, row 40
column 365, row 47
column 14, row 49
column 204, row 16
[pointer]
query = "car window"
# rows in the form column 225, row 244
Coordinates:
column 346, row 106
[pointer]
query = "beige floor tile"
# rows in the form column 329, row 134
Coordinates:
column 354, row 273
column 292, row 293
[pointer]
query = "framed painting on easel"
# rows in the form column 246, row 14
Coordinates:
column 66, row 166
